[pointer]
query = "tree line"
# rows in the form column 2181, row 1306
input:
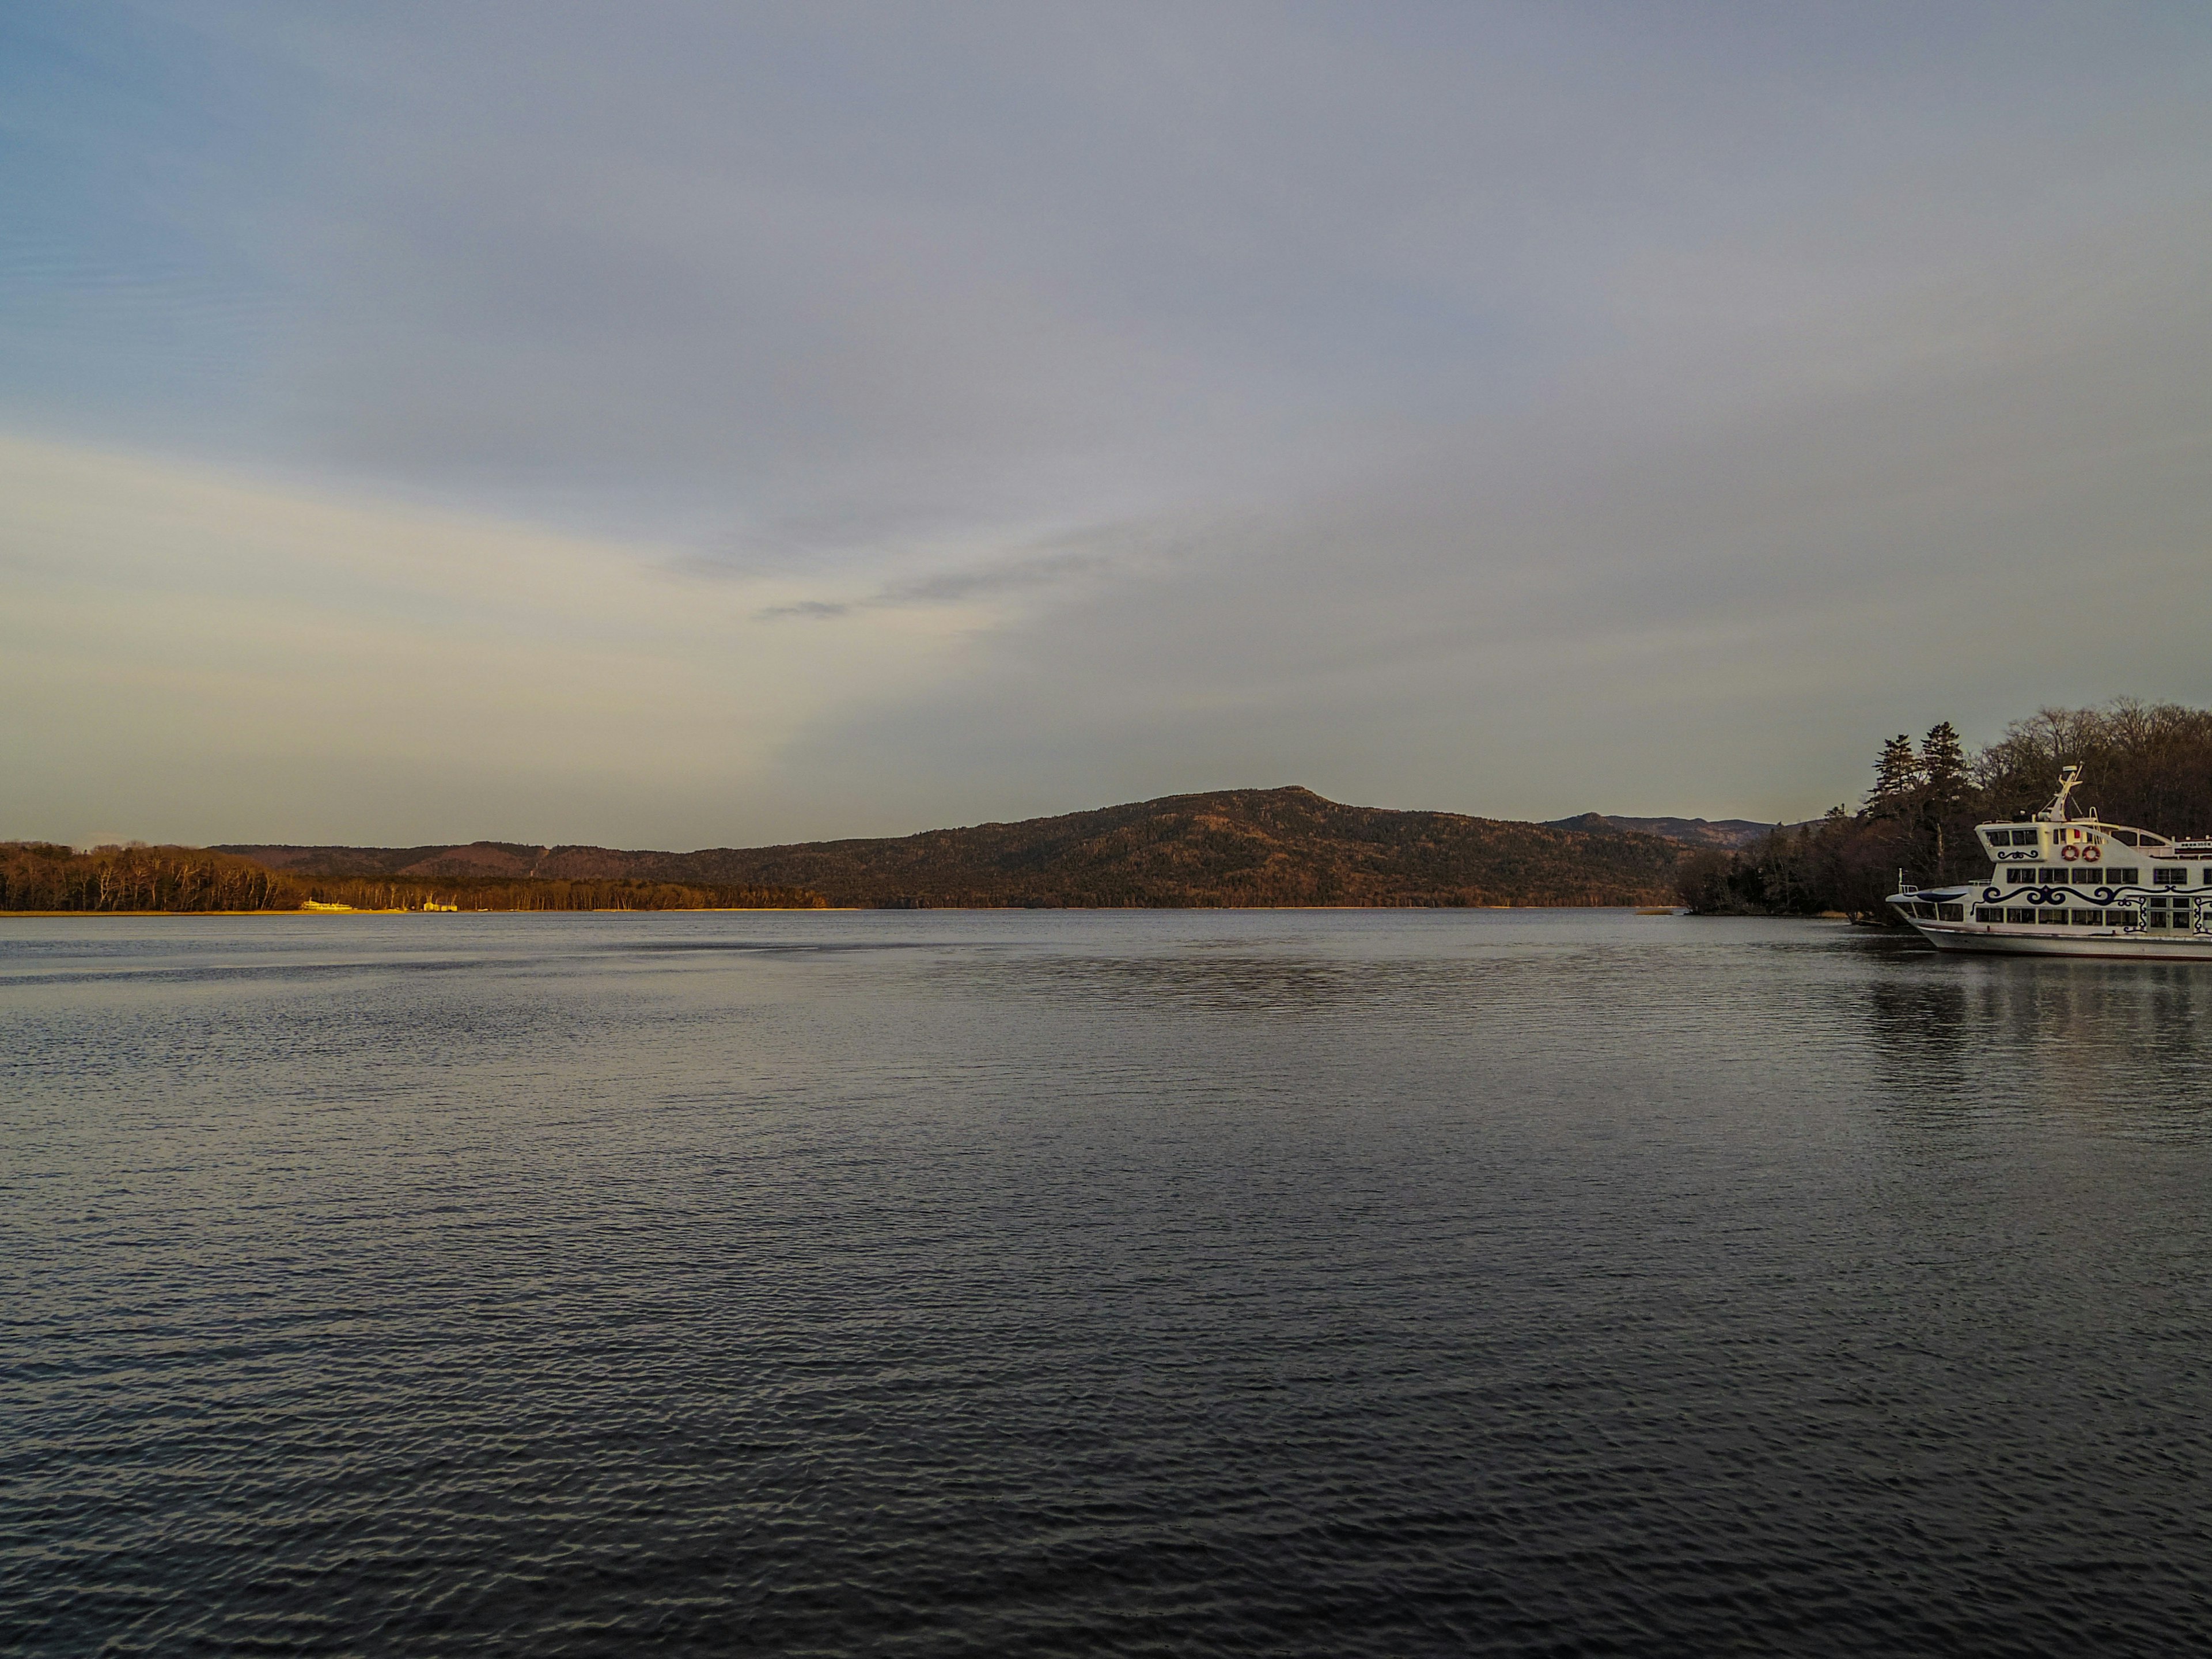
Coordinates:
column 112, row 880
column 554, row 893
column 2145, row 764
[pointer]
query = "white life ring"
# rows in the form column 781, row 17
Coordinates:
column 2069, row 853
column 2091, row 854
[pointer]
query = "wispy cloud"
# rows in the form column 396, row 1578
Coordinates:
column 1117, row 553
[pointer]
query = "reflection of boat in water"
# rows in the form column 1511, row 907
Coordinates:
column 2063, row 886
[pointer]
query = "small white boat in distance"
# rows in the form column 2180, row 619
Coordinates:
column 2062, row 886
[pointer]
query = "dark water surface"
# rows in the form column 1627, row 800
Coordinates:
column 1330, row 1283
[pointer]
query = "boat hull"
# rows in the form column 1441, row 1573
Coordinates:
column 2019, row 941
column 2062, row 886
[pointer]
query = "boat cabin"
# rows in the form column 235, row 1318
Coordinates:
column 2072, row 886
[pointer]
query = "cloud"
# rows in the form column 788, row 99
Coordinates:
column 1523, row 410
column 1113, row 552
column 1977, row 519
column 219, row 659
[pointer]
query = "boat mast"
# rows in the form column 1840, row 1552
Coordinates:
column 2056, row 813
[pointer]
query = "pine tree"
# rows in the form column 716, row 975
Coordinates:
column 1943, row 763
column 1896, row 776
column 1942, row 796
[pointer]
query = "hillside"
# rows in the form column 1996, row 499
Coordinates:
column 1691, row 832
column 1231, row 847
column 478, row 859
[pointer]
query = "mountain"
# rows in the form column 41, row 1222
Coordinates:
column 1229, row 847
column 1726, row 833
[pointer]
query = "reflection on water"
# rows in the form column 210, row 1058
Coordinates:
column 1045, row 1283
column 2123, row 1039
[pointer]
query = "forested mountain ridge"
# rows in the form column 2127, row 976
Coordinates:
column 2147, row 764
column 482, row 858
column 1227, row 848
column 1691, row 832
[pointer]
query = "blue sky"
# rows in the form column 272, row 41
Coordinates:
column 706, row 425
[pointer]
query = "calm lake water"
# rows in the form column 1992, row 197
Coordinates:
column 1048, row 1283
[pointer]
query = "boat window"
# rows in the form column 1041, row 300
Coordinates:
column 2127, row 877
column 2018, row 872
column 2047, row 916
column 1951, row 912
column 1989, row 912
column 2019, row 915
column 2155, row 919
column 2170, row 877
column 2088, row 918
column 2126, row 835
column 2088, row 877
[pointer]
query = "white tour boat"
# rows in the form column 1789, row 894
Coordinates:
column 2062, row 886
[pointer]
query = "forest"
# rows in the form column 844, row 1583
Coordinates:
column 2145, row 764
column 42, row 876
column 1225, row 849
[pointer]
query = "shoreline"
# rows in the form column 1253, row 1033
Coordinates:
column 860, row 909
column 700, row 910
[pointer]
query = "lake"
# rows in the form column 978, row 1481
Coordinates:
column 1010, row 1283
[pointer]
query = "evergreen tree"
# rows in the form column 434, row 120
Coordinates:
column 1942, row 763
column 1896, row 776
column 1943, row 826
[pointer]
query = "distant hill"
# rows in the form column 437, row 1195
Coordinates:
column 1230, row 848
column 1726, row 833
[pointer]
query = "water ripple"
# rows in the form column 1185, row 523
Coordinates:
column 930, row 1283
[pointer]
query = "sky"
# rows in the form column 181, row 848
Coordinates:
column 680, row 426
